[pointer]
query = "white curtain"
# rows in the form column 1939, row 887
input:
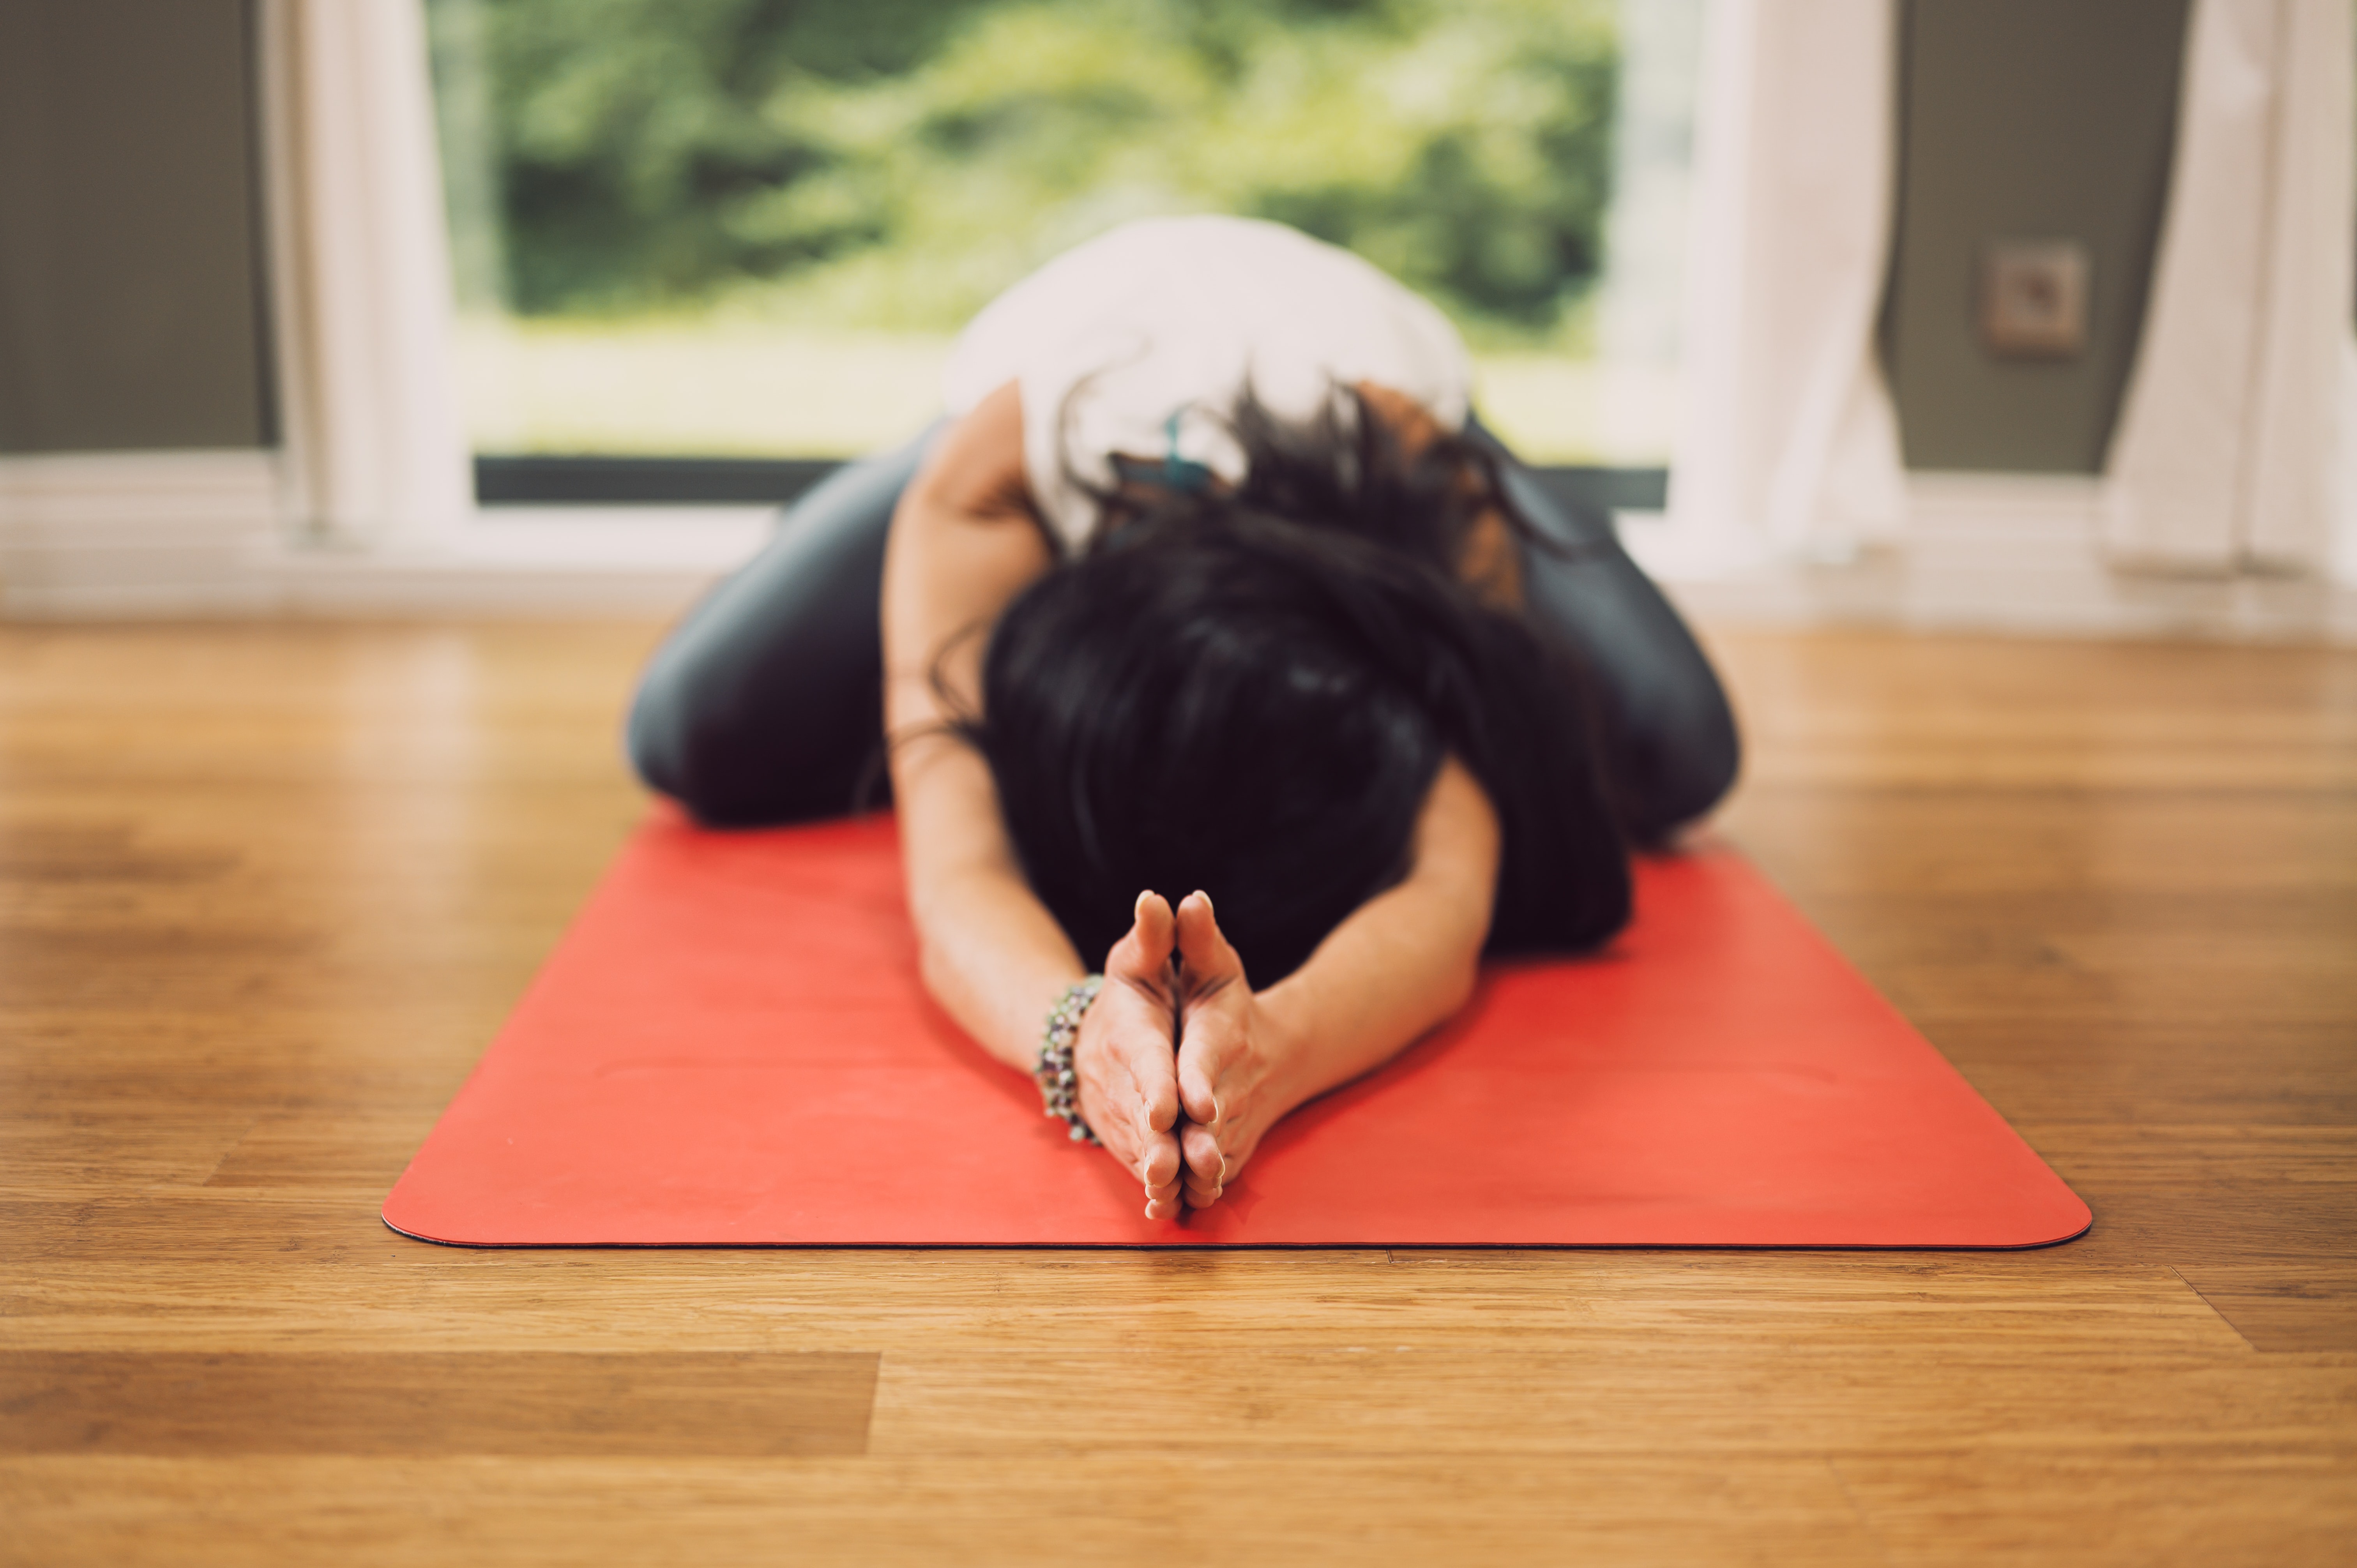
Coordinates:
column 375, row 453
column 1788, row 443
column 2343, row 564
column 2229, row 449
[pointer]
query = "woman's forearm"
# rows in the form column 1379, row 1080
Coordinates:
column 1402, row 965
column 990, row 952
column 1404, row 961
column 962, row 545
column 995, row 961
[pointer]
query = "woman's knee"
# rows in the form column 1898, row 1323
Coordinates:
column 1693, row 752
column 650, row 742
column 764, row 704
column 750, row 758
column 672, row 748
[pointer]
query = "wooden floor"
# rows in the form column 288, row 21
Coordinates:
column 266, row 891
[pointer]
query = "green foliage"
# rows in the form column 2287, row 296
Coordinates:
column 895, row 163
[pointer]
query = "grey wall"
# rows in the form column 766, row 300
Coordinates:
column 2024, row 119
column 130, row 278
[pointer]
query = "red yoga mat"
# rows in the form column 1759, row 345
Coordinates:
column 730, row 1047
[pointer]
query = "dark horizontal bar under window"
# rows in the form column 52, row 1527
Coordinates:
column 760, row 482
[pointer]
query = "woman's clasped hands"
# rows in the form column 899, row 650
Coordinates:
column 1180, row 1062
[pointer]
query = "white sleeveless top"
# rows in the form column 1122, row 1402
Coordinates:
column 1138, row 342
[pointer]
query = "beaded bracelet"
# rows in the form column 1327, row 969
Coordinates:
column 1060, row 1086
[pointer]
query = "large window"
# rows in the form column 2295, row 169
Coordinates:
column 750, row 227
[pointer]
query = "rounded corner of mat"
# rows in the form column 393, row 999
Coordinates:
column 2080, row 1226
column 403, row 1220
column 2070, row 1221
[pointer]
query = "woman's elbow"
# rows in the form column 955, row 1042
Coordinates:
column 1458, row 985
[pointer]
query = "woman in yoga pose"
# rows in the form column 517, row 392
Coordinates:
column 1220, row 649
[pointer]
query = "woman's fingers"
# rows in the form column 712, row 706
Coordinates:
column 1212, row 1157
column 1161, row 1164
column 1205, row 1173
column 1133, row 1066
column 1143, row 957
column 1213, row 983
column 1223, row 1078
column 1209, row 962
column 1130, row 1085
column 1165, row 1201
column 1197, row 1082
column 1155, row 1136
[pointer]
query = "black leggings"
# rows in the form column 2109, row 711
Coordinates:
column 766, row 703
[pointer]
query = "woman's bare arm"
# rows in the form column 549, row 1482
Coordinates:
column 1407, row 959
column 964, row 543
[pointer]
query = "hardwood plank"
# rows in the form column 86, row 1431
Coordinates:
column 134, row 1142
column 2281, row 1507
column 2283, row 1195
column 2177, row 1071
column 2308, row 1304
column 316, row 1151
column 1829, row 1397
column 136, row 1272
column 1638, row 1509
column 550, row 1403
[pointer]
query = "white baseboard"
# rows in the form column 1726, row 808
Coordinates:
column 1998, row 552
column 200, row 535
column 536, row 561
column 135, row 533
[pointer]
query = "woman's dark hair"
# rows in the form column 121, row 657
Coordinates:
column 1250, row 691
